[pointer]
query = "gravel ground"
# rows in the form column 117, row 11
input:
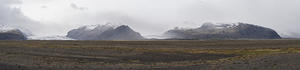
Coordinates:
column 148, row 55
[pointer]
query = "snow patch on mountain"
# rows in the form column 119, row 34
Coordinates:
column 5, row 28
column 102, row 26
column 218, row 25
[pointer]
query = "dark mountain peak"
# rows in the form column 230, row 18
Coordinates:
column 123, row 28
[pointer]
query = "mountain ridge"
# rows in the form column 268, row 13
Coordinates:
column 105, row 32
column 10, row 33
column 224, row 31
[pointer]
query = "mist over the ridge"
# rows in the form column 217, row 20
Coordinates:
column 149, row 17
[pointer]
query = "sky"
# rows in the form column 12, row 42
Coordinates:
column 149, row 17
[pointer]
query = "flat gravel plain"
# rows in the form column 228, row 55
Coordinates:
column 281, row 54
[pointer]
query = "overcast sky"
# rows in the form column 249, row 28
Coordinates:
column 149, row 17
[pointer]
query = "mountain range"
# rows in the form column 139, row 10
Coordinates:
column 124, row 32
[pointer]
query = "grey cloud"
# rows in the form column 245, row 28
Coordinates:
column 14, row 17
column 276, row 14
column 74, row 6
column 155, row 17
column 9, row 2
column 44, row 6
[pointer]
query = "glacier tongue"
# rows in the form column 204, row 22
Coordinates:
column 49, row 38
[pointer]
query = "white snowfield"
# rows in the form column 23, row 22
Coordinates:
column 49, row 38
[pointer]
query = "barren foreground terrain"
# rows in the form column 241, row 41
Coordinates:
column 151, row 55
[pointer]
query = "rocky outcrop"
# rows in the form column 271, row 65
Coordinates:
column 104, row 32
column 14, row 34
column 224, row 31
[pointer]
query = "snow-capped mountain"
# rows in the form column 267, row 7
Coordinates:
column 224, row 31
column 11, row 33
column 5, row 28
column 104, row 32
